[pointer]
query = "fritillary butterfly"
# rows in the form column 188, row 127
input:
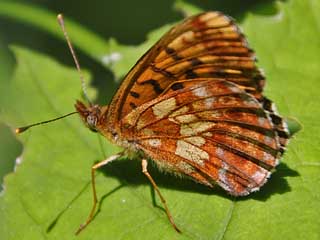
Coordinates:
column 194, row 105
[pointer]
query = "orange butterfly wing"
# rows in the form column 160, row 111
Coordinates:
column 211, row 131
column 194, row 104
column 208, row 45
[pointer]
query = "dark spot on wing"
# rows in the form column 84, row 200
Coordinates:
column 267, row 104
column 221, row 73
column 177, row 86
column 173, row 53
column 191, row 74
column 276, row 119
column 132, row 105
column 156, row 86
column 283, row 134
column 162, row 71
column 195, row 62
column 134, row 94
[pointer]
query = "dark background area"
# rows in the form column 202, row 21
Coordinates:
column 126, row 21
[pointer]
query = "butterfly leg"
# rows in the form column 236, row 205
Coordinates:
column 144, row 164
column 93, row 183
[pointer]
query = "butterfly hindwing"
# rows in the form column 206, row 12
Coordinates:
column 211, row 129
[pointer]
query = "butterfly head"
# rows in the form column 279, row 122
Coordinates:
column 92, row 115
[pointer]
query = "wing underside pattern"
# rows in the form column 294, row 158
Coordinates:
column 211, row 131
column 194, row 104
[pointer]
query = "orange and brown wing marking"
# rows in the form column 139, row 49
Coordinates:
column 279, row 123
column 211, row 131
column 209, row 45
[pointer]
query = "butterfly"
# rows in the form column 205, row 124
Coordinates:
column 194, row 105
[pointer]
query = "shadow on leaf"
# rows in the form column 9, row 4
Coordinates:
column 276, row 184
column 56, row 219
column 129, row 173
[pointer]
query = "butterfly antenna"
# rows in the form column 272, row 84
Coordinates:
column 25, row 128
column 75, row 59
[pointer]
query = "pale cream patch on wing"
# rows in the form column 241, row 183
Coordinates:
column 267, row 140
column 259, row 176
column 180, row 111
column 262, row 121
column 250, row 102
column 207, row 134
column 209, row 15
column 198, row 141
column 194, row 128
column 234, row 88
column 223, row 181
column 147, row 132
column 197, row 105
column 210, row 114
column 218, row 22
column 201, row 92
column 262, row 177
column 267, row 157
column 163, row 108
column 233, row 71
column 131, row 118
column 187, row 168
column 188, row 36
column 190, row 152
column 220, row 152
column 186, row 118
column 140, row 124
column 154, row 142
column 209, row 102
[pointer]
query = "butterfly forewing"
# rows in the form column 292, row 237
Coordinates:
column 208, row 45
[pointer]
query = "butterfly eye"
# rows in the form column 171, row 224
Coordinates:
column 92, row 122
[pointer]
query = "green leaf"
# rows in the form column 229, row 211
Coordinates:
column 10, row 148
column 49, row 195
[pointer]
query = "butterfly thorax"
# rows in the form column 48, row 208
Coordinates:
column 95, row 118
